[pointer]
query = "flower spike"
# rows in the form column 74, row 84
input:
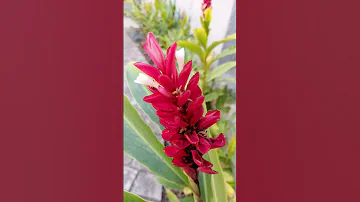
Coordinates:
column 179, row 106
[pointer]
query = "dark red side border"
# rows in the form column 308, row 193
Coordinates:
column 61, row 101
column 298, row 101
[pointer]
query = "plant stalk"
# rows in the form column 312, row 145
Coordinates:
column 195, row 189
column 204, row 75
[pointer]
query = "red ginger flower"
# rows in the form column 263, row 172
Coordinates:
column 178, row 104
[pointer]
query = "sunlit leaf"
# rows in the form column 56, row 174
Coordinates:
column 141, row 144
column 220, row 70
column 132, row 197
column 216, row 43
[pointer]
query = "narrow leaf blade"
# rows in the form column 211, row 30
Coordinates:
column 205, row 186
column 216, row 43
column 217, row 181
column 141, row 144
column 201, row 36
column 168, row 184
column 232, row 147
column 220, row 70
column 192, row 47
column 229, row 51
column 132, row 197
column 212, row 96
column 139, row 92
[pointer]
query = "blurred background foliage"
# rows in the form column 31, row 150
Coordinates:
column 163, row 19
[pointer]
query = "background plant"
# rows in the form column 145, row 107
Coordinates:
column 215, row 88
column 162, row 19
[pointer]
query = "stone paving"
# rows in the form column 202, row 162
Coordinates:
column 138, row 179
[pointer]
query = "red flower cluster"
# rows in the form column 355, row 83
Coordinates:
column 205, row 5
column 178, row 104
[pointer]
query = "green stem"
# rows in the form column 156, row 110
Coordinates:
column 205, row 73
column 195, row 189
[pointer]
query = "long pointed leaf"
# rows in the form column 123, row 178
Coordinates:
column 229, row 51
column 192, row 47
column 139, row 92
column 215, row 191
column 216, row 43
column 205, row 186
column 141, row 144
column 232, row 147
column 201, row 36
column 132, row 197
column 220, row 70
column 168, row 184
column 218, row 183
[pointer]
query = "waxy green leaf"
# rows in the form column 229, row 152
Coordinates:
column 141, row 144
column 130, row 197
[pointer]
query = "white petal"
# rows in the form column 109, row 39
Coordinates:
column 180, row 54
column 145, row 80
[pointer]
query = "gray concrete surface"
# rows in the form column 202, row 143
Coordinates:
column 137, row 178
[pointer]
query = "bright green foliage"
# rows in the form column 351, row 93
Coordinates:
column 193, row 47
column 187, row 199
column 130, row 197
column 201, row 36
column 168, row 184
column 141, row 144
column 171, row 196
column 218, row 183
column 220, row 70
column 162, row 19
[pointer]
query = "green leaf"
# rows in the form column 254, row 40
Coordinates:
column 212, row 96
column 208, row 15
column 232, row 183
column 220, row 102
column 141, row 144
column 139, row 91
column 221, row 153
column 230, row 191
column 216, row 43
column 225, row 162
column 228, row 176
column 232, row 80
column 226, row 109
column 233, row 160
column 218, row 183
column 232, row 147
column 171, row 196
column 214, row 129
column 229, row 51
column 205, row 184
column 201, row 36
column 220, row 70
column 130, row 197
column 168, row 184
column 188, row 199
column 192, row 47
column 213, row 187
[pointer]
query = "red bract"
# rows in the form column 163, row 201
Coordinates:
column 178, row 104
column 205, row 5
